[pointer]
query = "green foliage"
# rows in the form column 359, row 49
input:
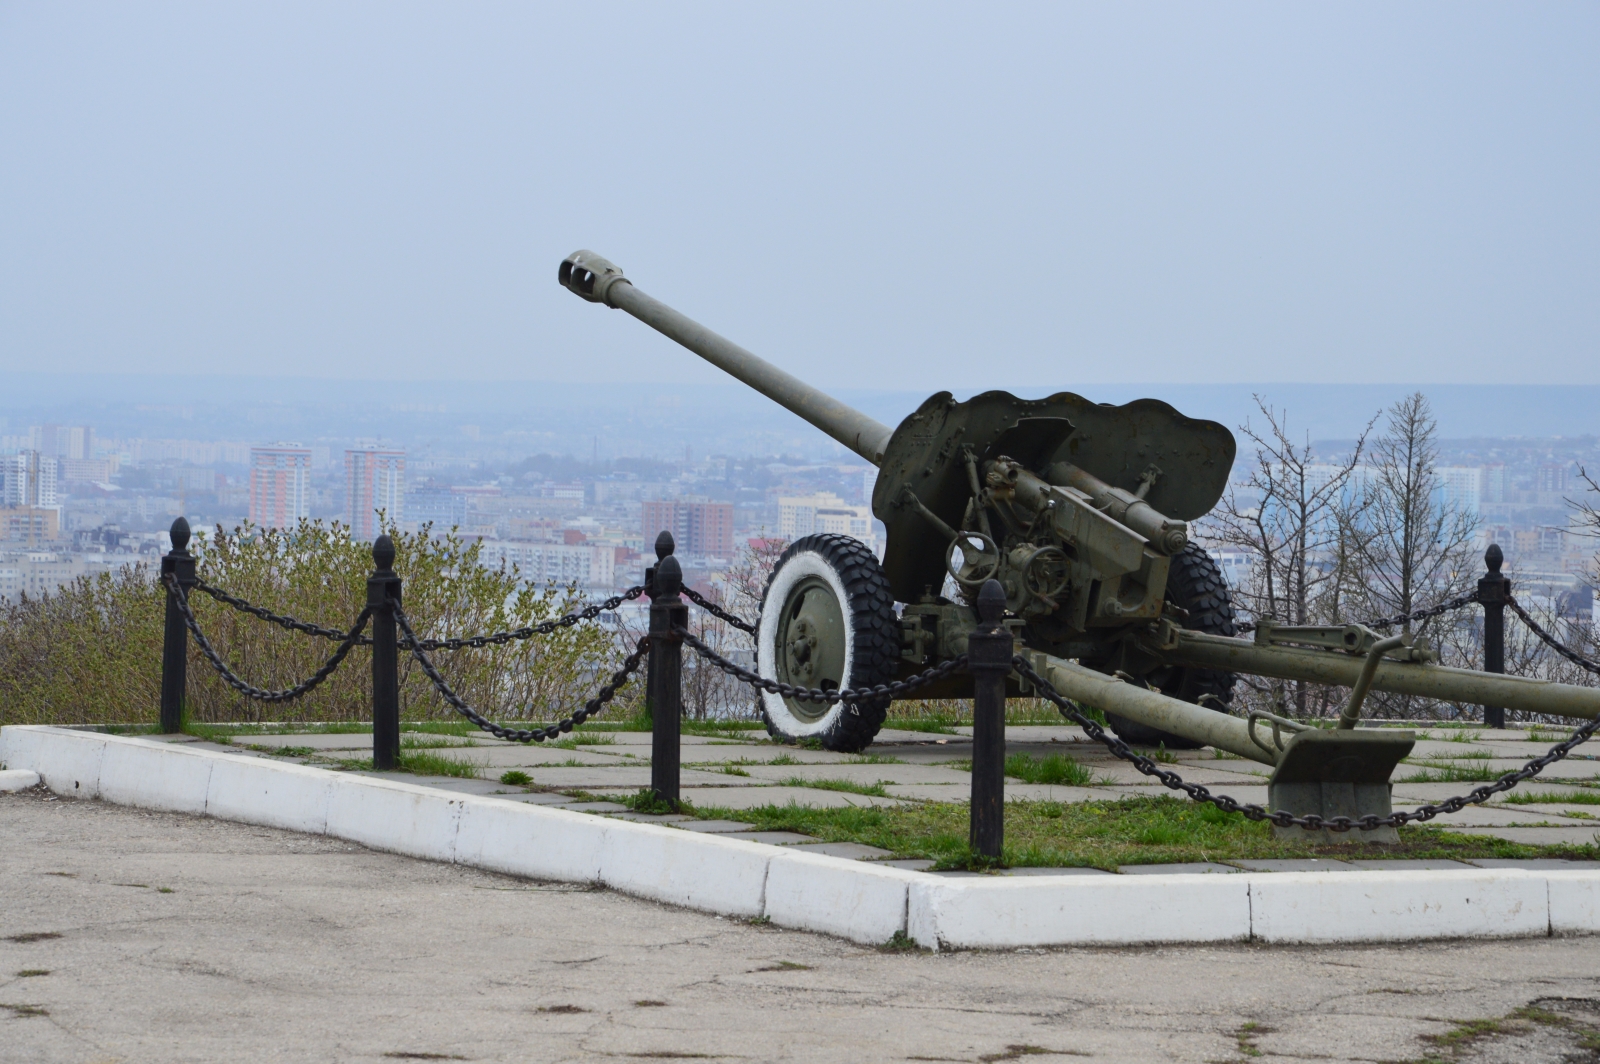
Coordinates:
column 648, row 801
column 91, row 653
column 515, row 778
column 1578, row 797
column 1445, row 773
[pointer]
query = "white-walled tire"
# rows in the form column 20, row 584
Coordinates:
column 827, row 621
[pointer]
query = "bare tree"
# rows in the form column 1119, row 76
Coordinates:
column 1411, row 548
column 1287, row 516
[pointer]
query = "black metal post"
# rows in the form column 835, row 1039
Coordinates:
column 1493, row 590
column 989, row 652
column 175, row 645
column 667, row 611
column 383, row 595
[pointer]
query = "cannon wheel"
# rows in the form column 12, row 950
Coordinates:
column 1194, row 584
column 828, row 621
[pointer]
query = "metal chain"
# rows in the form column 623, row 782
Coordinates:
column 717, row 611
column 244, row 687
column 851, row 695
column 588, row 613
column 1551, row 641
column 520, row 735
column 1400, row 618
column 277, row 618
column 1281, row 818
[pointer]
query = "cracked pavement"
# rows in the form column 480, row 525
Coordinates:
column 176, row 938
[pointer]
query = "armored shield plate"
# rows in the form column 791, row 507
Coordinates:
column 1115, row 443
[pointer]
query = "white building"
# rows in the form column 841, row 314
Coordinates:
column 1461, row 487
column 802, row 515
column 586, row 565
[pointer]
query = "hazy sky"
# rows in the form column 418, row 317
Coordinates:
column 872, row 195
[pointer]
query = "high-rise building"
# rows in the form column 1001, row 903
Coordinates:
column 280, row 485
column 1461, row 488
column 62, row 441
column 697, row 527
column 29, row 479
column 374, row 491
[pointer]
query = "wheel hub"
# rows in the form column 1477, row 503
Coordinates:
column 811, row 643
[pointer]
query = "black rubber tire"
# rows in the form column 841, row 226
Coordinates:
column 874, row 631
column 1194, row 584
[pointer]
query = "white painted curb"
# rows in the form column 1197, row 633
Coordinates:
column 17, row 779
column 856, row 900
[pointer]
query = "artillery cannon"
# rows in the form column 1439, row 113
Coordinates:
column 1079, row 510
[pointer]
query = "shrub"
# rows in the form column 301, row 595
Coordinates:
column 91, row 652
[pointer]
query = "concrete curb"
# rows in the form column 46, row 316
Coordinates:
column 854, row 900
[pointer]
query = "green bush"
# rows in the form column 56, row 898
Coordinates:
column 91, row 652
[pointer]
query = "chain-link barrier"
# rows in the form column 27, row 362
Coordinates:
column 1550, row 640
column 588, row 613
column 717, row 611
column 1400, row 618
column 520, row 735
column 279, row 619
column 1282, row 819
column 348, row 640
column 848, row 695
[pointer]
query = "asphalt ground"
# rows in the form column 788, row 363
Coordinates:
column 173, row 938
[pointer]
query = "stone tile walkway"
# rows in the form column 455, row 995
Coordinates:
column 747, row 770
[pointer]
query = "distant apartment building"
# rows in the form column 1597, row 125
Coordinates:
column 62, row 441
column 29, row 479
column 374, row 491
column 280, row 485
column 562, row 564
column 697, row 527
column 443, row 508
column 30, row 525
column 87, row 470
column 803, row 515
column 1461, row 488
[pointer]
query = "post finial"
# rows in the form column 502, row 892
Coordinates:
column 669, row 576
column 991, row 604
column 664, row 544
column 180, row 534
column 383, row 552
column 1494, row 558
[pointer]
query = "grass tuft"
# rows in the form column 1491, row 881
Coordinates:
column 515, row 778
column 1052, row 768
column 1570, row 798
column 874, row 790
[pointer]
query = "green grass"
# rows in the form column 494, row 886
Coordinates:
column 733, row 770
column 1453, row 774
column 647, row 801
column 1584, row 797
column 1465, row 755
column 419, row 762
column 1052, row 768
column 874, row 759
column 283, row 751
column 938, row 725
column 849, row 786
column 1107, row 834
column 411, row 742
column 572, row 742
column 515, row 778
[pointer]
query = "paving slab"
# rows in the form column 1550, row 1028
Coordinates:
column 597, row 807
column 612, row 779
column 863, row 774
column 500, row 758
column 891, row 736
column 1584, row 836
column 1014, row 791
column 771, row 838
column 1565, row 809
column 854, row 850
column 755, row 797
column 1405, row 864
column 1535, row 864
column 910, row 864
column 1495, row 816
column 1306, row 864
column 1057, row 872
column 534, row 797
column 753, row 754
column 1207, row 867
column 652, row 818
column 713, row 826
column 319, row 741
